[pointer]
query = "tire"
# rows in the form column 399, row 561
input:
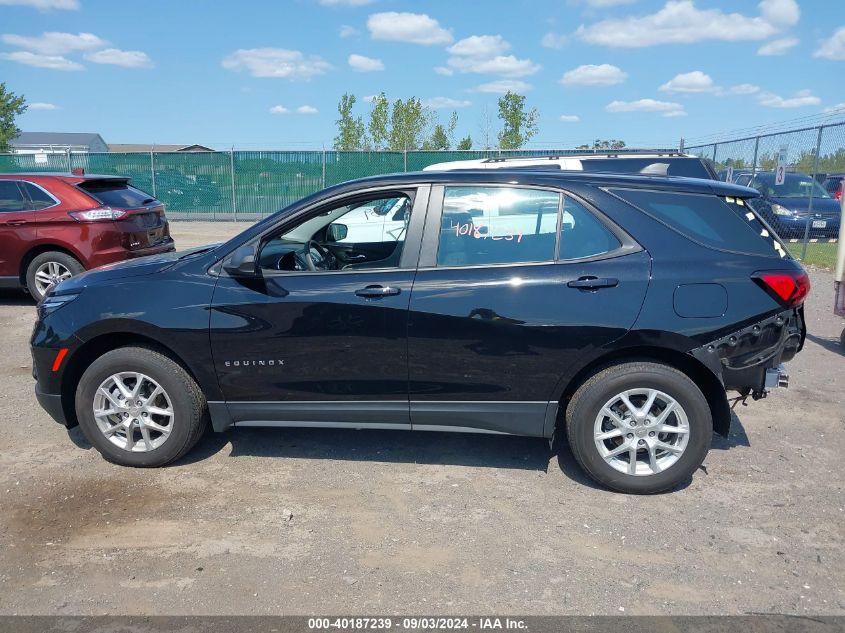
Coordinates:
column 181, row 396
column 842, row 340
column 669, row 468
column 66, row 265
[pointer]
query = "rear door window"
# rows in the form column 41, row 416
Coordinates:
column 116, row 194
column 11, row 197
column 722, row 223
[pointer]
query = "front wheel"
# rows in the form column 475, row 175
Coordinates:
column 639, row 427
column 139, row 408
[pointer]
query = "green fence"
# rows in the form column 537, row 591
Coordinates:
column 242, row 184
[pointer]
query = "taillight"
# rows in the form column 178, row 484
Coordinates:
column 103, row 214
column 788, row 287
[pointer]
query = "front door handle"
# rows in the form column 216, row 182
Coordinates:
column 376, row 292
column 16, row 222
column 593, row 283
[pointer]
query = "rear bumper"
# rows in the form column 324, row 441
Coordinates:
column 120, row 254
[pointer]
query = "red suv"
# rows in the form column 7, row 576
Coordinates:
column 53, row 226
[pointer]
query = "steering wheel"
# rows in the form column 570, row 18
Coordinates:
column 306, row 254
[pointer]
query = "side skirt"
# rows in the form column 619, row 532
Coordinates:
column 533, row 419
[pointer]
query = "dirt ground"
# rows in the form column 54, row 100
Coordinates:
column 357, row 522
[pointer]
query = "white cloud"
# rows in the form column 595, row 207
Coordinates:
column 276, row 62
column 370, row 98
column 690, row 83
column 665, row 108
column 800, row 99
column 40, row 105
column 835, row 108
column 554, row 40
column 744, row 89
column 440, row 103
column 442, row 70
column 781, row 12
column 681, row 22
column 348, row 31
column 362, row 64
column 117, row 57
column 484, row 46
column 52, row 62
column 569, row 118
column 54, row 43
column 411, row 28
column 833, row 47
column 307, row 109
column 484, row 54
column 502, row 86
column 594, row 75
column 278, row 109
column 778, row 47
column 346, row 3
column 44, row 5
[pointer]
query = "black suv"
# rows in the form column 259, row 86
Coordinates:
column 616, row 308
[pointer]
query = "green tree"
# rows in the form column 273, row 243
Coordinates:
column 350, row 129
column 11, row 106
column 378, row 123
column 409, row 121
column 466, row 143
column 438, row 140
column 603, row 145
column 518, row 124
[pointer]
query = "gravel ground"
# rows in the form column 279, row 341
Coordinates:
column 356, row 522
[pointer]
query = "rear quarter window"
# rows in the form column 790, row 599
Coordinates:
column 116, row 194
column 722, row 223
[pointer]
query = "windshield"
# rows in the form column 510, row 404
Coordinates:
column 794, row 186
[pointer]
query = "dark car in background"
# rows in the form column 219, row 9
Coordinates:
column 54, row 226
column 615, row 309
column 787, row 207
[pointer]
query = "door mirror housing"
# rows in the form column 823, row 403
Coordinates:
column 337, row 232
column 242, row 262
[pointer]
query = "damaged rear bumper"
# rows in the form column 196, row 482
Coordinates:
column 750, row 360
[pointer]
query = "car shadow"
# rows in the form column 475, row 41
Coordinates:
column 15, row 297
column 830, row 344
column 736, row 436
column 460, row 449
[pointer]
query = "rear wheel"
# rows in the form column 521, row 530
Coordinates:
column 48, row 269
column 639, row 427
column 140, row 408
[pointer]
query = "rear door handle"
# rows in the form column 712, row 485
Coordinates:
column 593, row 283
column 375, row 292
column 16, row 222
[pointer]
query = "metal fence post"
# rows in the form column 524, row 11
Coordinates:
column 324, row 167
column 234, row 196
column 754, row 161
column 153, row 172
column 405, row 158
column 69, row 164
column 810, row 205
column 715, row 145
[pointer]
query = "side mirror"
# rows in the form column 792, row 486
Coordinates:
column 337, row 232
column 242, row 262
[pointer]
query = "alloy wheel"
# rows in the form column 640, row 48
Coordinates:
column 133, row 412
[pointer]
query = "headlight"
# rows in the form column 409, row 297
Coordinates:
column 53, row 302
column 778, row 209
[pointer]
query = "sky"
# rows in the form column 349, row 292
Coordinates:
column 261, row 74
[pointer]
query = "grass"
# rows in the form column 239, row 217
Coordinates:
column 818, row 254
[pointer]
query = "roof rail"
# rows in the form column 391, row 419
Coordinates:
column 586, row 153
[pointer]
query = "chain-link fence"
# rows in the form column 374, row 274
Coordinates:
column 802, row 204
column 243, row 185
